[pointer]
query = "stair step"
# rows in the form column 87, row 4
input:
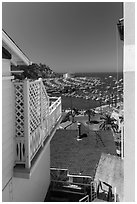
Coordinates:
column 57, row 199
column 64, row 196
column 98, row 200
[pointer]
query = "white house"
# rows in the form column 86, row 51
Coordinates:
column 28, row 124
column 66, row 75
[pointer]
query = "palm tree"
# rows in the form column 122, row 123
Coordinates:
column 66, row 118
column 90, row 113
column 73, row 116
column 76, row 111
column 108, row 123
column 121, row 119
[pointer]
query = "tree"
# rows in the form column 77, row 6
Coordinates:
column 121, row 119
column 66, row 118
column 46, row 71
column 90, row 113
column 108, row 123
column 76, row 111
column 33, row 71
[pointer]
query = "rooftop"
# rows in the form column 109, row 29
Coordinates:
column 18, row 56
column 80, row 157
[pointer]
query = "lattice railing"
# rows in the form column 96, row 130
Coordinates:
column 34, row 99
column 34, row 118
column 54, row 112
column 93, row 190
column 19, row 108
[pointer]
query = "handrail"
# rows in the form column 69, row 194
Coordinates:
column 84, row 199
column 72, row 186
column 111, row 192
column 53, row 97
column 53, row 106
column 79, row 176
column 71, row 182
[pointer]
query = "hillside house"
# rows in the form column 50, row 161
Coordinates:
column 29, row 120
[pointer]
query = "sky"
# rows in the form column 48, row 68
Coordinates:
column 67, row 36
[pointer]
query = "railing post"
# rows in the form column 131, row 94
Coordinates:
column 26, row 124
column 60, row 107
column 41, row 101
column 94, row 189
column 122, row 141
column 41, row 105
column 48, row 117
column 115, row 195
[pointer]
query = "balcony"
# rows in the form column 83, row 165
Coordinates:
column 36, row 118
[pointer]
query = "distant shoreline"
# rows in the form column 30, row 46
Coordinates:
column 95, row 74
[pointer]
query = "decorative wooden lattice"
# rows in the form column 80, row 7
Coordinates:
column 34, row 119
column 20, row 149
column 34, row 105
column 44, row 111
column 19, row 109
column 19, row 122
column 45, row 105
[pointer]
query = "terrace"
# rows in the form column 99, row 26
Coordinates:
column 36, row 119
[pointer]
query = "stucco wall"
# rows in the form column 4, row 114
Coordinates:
column 7, row 192
column 129, row 101
column 35, row 188
column 7, row 127
column 5, row 67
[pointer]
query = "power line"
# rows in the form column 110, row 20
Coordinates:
column 117, row 60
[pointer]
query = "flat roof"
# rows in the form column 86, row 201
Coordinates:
column 79, row 157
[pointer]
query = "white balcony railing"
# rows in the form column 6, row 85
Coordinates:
column 34, row 118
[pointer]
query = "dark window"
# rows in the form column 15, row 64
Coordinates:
column 5, row 54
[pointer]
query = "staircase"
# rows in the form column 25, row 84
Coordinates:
column 102, row 192
column 63, row 196
column 68, row 188
column 75, row 188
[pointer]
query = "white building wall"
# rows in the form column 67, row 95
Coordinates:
column 7, row 192
column 35, row 188
column 66, row 75
column 5, row 67
column 129, row 101
column 7, row 125
column 17, row 189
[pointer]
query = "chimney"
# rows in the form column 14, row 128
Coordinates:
column 79, row 131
